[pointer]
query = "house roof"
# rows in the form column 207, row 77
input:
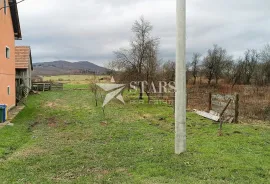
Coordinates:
column 15, row 19
column 23, row 57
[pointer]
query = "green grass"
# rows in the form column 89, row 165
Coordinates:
column 74, row 79
column 61, row 137
column 76, row 86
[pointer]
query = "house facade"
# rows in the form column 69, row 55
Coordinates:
column 24, row 67
column 9, row 32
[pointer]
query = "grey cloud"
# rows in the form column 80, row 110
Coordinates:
column 93, row 29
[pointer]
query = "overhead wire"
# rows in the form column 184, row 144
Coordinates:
column 12, row 4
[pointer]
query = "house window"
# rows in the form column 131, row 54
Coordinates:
column 8, row 90
column 5, row 6
column 7, row 52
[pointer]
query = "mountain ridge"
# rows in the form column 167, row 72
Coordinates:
column 63, row 67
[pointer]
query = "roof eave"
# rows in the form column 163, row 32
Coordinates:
column 15, row 19
column 31, row 60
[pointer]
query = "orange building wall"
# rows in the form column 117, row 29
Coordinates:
column 7, row 66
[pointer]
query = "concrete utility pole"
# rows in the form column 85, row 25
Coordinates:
column 180, row 78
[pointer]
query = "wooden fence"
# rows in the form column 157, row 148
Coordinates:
column 57, row 86
column 46, row 86
column 217, row 102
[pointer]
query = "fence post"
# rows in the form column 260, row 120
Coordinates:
column 210, row 102
column 236, row 108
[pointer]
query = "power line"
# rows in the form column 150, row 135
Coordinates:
column 12, row 5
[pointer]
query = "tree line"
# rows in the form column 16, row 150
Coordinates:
column 140, row 62
column 252, row 68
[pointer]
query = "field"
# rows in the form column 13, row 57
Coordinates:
column 62, row 137
column 254, row 100
column 75, row 79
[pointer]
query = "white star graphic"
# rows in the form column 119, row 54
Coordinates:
column 114, row 94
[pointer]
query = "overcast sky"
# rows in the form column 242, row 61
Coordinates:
column 90, row 30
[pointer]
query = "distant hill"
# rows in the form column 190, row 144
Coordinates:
column 67, row 68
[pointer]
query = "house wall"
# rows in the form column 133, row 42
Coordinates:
column 7, row 66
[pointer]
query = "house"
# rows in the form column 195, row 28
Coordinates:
column 10, row 31
column 24, row 67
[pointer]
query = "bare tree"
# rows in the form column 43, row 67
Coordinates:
column 188, row 71
column 260, row 74
column 169, row 71
column 151, row 67
column 248, row 68
column 228, row 69
column 250, row 61
column 265, row 57
column 214, row 62
column 135, row 58
column 237, row 72
column 265, row 54
column 194, row 65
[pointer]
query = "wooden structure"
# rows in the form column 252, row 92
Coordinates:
column 47, row 86
column 57, row 86
column 217, row 103
column 24, row 67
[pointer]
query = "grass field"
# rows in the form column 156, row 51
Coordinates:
column 75, row 79
column 62, row 137
column 254, row 100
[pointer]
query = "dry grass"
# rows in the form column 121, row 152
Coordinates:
column 25, row 153
column 254, row 101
